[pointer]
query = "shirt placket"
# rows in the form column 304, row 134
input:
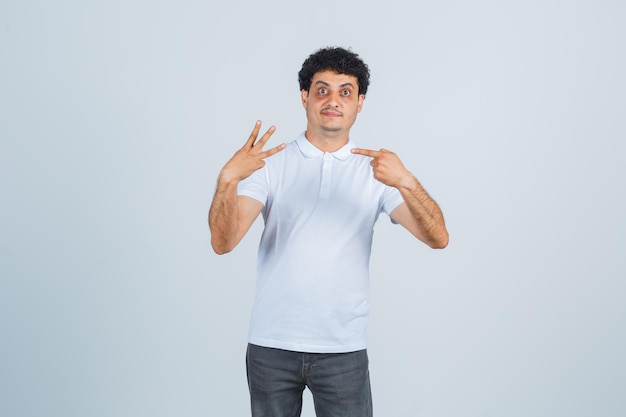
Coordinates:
column 327, row 171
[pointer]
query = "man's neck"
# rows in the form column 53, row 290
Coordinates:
column 327, row 142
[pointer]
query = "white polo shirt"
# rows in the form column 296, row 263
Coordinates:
column 319, row 209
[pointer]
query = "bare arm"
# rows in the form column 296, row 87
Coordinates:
column 230, row 216
column 419, row 213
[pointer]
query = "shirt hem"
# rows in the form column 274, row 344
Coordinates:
column 308, row 348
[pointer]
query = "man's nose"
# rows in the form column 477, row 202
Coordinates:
column 333, row 99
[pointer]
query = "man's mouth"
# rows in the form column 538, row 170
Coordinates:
column 331, row 113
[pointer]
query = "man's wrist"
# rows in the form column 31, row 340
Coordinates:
column 226, row 179
column 410, row 184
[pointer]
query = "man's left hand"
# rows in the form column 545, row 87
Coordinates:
column 388, row 168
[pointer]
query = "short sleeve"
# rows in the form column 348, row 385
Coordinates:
column 390, row 200
column 255, row 186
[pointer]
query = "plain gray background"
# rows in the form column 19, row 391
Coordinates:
column 116, row 117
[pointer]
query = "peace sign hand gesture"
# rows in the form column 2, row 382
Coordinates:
column 250, row 157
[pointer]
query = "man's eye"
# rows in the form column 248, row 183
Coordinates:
column 345, row 93
column 323, row 91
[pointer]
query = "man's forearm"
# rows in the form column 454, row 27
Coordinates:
column 223, row 217
column 426, row 213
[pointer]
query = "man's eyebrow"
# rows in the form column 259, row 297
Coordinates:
column 328, row 85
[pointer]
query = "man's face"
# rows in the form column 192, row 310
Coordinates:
column 332, row 103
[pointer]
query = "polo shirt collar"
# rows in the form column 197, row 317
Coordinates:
column 310, row 151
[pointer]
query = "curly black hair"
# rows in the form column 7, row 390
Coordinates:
column 340, row 60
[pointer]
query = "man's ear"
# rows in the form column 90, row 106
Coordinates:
column 360, row 105
column 305, row 97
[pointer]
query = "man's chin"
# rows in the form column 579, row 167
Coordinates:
column 331, row 129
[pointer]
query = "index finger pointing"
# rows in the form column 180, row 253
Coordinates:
column 366, row 152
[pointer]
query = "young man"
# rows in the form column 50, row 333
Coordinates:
column 320, row 197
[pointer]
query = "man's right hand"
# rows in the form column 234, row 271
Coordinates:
column 250, row 157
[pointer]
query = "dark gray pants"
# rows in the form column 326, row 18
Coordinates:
column 339, row 382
